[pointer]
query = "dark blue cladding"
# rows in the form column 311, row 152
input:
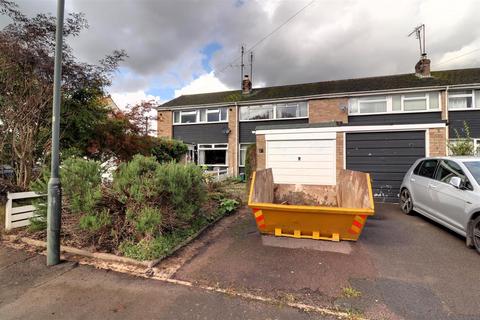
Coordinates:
column 456, row 121
column 246, row 128
column 201, row 133
column 395, row 118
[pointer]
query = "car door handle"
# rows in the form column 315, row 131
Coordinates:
column 412, row 179
column 432, row 186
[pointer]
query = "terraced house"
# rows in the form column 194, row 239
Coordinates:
column 306, row 131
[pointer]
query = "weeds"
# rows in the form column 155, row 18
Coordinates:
column 350, row 292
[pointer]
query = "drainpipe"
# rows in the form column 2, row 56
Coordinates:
column 447, row 129
column 236, row 169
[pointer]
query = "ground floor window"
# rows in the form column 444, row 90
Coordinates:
column 242, row 153
column 213, row 155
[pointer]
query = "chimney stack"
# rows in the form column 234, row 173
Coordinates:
column 246, row 85
column 422, row 68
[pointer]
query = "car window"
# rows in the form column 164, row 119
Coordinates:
column 428, row 168
column 474, row 168
column 448, row 169
column 417, row 168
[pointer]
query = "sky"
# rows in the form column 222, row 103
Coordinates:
column 180, row 47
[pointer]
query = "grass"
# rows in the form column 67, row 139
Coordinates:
column 350, row 292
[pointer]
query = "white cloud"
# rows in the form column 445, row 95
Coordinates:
column 124, row 99
column 205, row 83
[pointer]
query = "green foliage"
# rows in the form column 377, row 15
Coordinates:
column 148, row 221
column 228, row 206
column 166, row 150
column 39, row 222
column 94, row 222
column 146, row 248
column 463, row 144
column 81, row 184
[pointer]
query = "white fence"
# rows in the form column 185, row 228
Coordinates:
column 218, row 174
column 19, row 216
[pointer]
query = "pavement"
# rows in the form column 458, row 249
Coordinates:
column 403, row 267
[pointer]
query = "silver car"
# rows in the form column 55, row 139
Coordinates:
column 446, row 190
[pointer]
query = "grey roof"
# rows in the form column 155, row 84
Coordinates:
column 392, row 82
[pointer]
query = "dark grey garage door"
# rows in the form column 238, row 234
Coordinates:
column 386, row 156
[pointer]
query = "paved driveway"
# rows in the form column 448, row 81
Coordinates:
column 403, row 267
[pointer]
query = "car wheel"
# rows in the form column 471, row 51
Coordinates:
column 406, row 202
column 476, row 233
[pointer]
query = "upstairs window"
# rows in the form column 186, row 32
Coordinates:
column 463, row 99
column 274, row 111
column 200, row 116
column 409, row 102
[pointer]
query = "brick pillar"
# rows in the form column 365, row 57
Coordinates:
column 340, row 151
column 261, row 150
column 326, row 110
column 437, row 142
column 165, row 124
column 232, row 141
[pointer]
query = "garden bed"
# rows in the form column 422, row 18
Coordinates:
column 146, row 213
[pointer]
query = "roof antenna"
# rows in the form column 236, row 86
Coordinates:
column 241, row 64
column 251, row 66
column 420, row 35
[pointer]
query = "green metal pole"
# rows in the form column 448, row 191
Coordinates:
column 54, row 188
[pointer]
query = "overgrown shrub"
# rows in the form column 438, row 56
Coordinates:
column 250, row 160
column 147, row 221
column 167, row 150
column 94, row 222
column 463, row 145
column 146, row 248
column 81, row 184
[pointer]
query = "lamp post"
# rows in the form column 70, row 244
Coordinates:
column 54, row 188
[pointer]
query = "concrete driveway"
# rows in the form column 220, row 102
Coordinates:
column 403, row 267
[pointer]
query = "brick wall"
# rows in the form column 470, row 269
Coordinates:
column 164, row 124
column 437, row 141
column 232, row 141
column 339, row 152
column 261, row 150
column 325, row 110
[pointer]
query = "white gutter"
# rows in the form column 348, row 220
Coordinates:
column 237, row 123
column 325, row 96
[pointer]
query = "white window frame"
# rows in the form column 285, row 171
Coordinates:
column 197, row 111
column 213, row 146
column 389, row 100
column 274, row 116
column 463, row 95
column 243, row 146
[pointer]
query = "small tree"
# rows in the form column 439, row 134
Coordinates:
column 463, row 145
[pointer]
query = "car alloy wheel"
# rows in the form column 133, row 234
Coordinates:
column 406, row 203
column 476, row 234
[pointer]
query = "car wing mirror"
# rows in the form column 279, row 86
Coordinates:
column 456, row 182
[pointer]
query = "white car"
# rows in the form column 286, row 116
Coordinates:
column 446, row 190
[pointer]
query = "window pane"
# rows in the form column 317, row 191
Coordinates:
column 474, row 168
column 176, row 117
column 459, row 92
column 434, row 103
column 303, row 109
column 414, row 95
column 287, row 111
column 428, row 168
column 413, row 105
column 459, row 103
column 243, row 113
column 203, row 115
column 477, row 99
column 260, row 112
column 448, row 169
column 373, row 107
column 189, row 117
column 353, row 105
column 213, row 116
column 217, row 146
column 212, row 157
column 243, row 153
column 396, row 103
column 223, row 114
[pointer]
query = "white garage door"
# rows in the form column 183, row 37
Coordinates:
column 302, row 161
